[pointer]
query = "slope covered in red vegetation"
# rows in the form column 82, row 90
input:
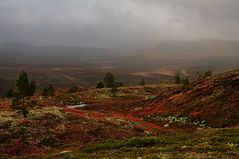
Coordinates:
column 215, row 100
column 53, row 126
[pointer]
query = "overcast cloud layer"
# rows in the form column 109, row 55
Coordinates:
column 109, row 23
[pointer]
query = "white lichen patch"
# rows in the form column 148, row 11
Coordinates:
column 38, row 113
column 6, row 116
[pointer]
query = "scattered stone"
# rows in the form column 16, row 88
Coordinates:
column 63, row 152
column 166, row 125
column 183, row 147
column 81, row 105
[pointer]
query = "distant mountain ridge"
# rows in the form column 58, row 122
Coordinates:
column 172, row 51
column 19, row 48
column 203, row 47
column 23, row 52
column 202, row 52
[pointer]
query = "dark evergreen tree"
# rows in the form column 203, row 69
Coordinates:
column 48, row 91
column 31, row 88
column 142, row 82
column 100, row 85
column 185, row 83
column 24, row 89
column 109, row 80
column 177, row 78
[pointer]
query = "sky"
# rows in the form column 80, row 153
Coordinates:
column 113, row 23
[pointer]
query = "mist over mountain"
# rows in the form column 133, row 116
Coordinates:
column 207, row 53
column 171, row 51
column 21, row 53
column 208, row 48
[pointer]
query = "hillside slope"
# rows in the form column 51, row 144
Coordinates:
column 215, row 100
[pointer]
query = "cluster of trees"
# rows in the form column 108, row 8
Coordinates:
column 25, row 89
column 48, row 91
column 180, row 78
column 109, row 82
column 204, row 75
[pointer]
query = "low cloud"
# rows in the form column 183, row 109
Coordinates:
column 108, row 23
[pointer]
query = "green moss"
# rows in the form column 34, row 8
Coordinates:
column 134, row 142
column 217, row 142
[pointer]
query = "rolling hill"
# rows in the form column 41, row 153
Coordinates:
column 214, row 100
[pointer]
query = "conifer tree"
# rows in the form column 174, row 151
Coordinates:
column 24, row 89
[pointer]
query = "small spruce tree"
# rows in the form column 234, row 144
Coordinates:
column 100, row 85
column 177, row 78
column 109, row 80
column 142, row 82
column 48, row 91
column 185, row 83
column 24, row 89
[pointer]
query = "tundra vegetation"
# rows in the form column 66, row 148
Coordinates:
column 192, row 119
